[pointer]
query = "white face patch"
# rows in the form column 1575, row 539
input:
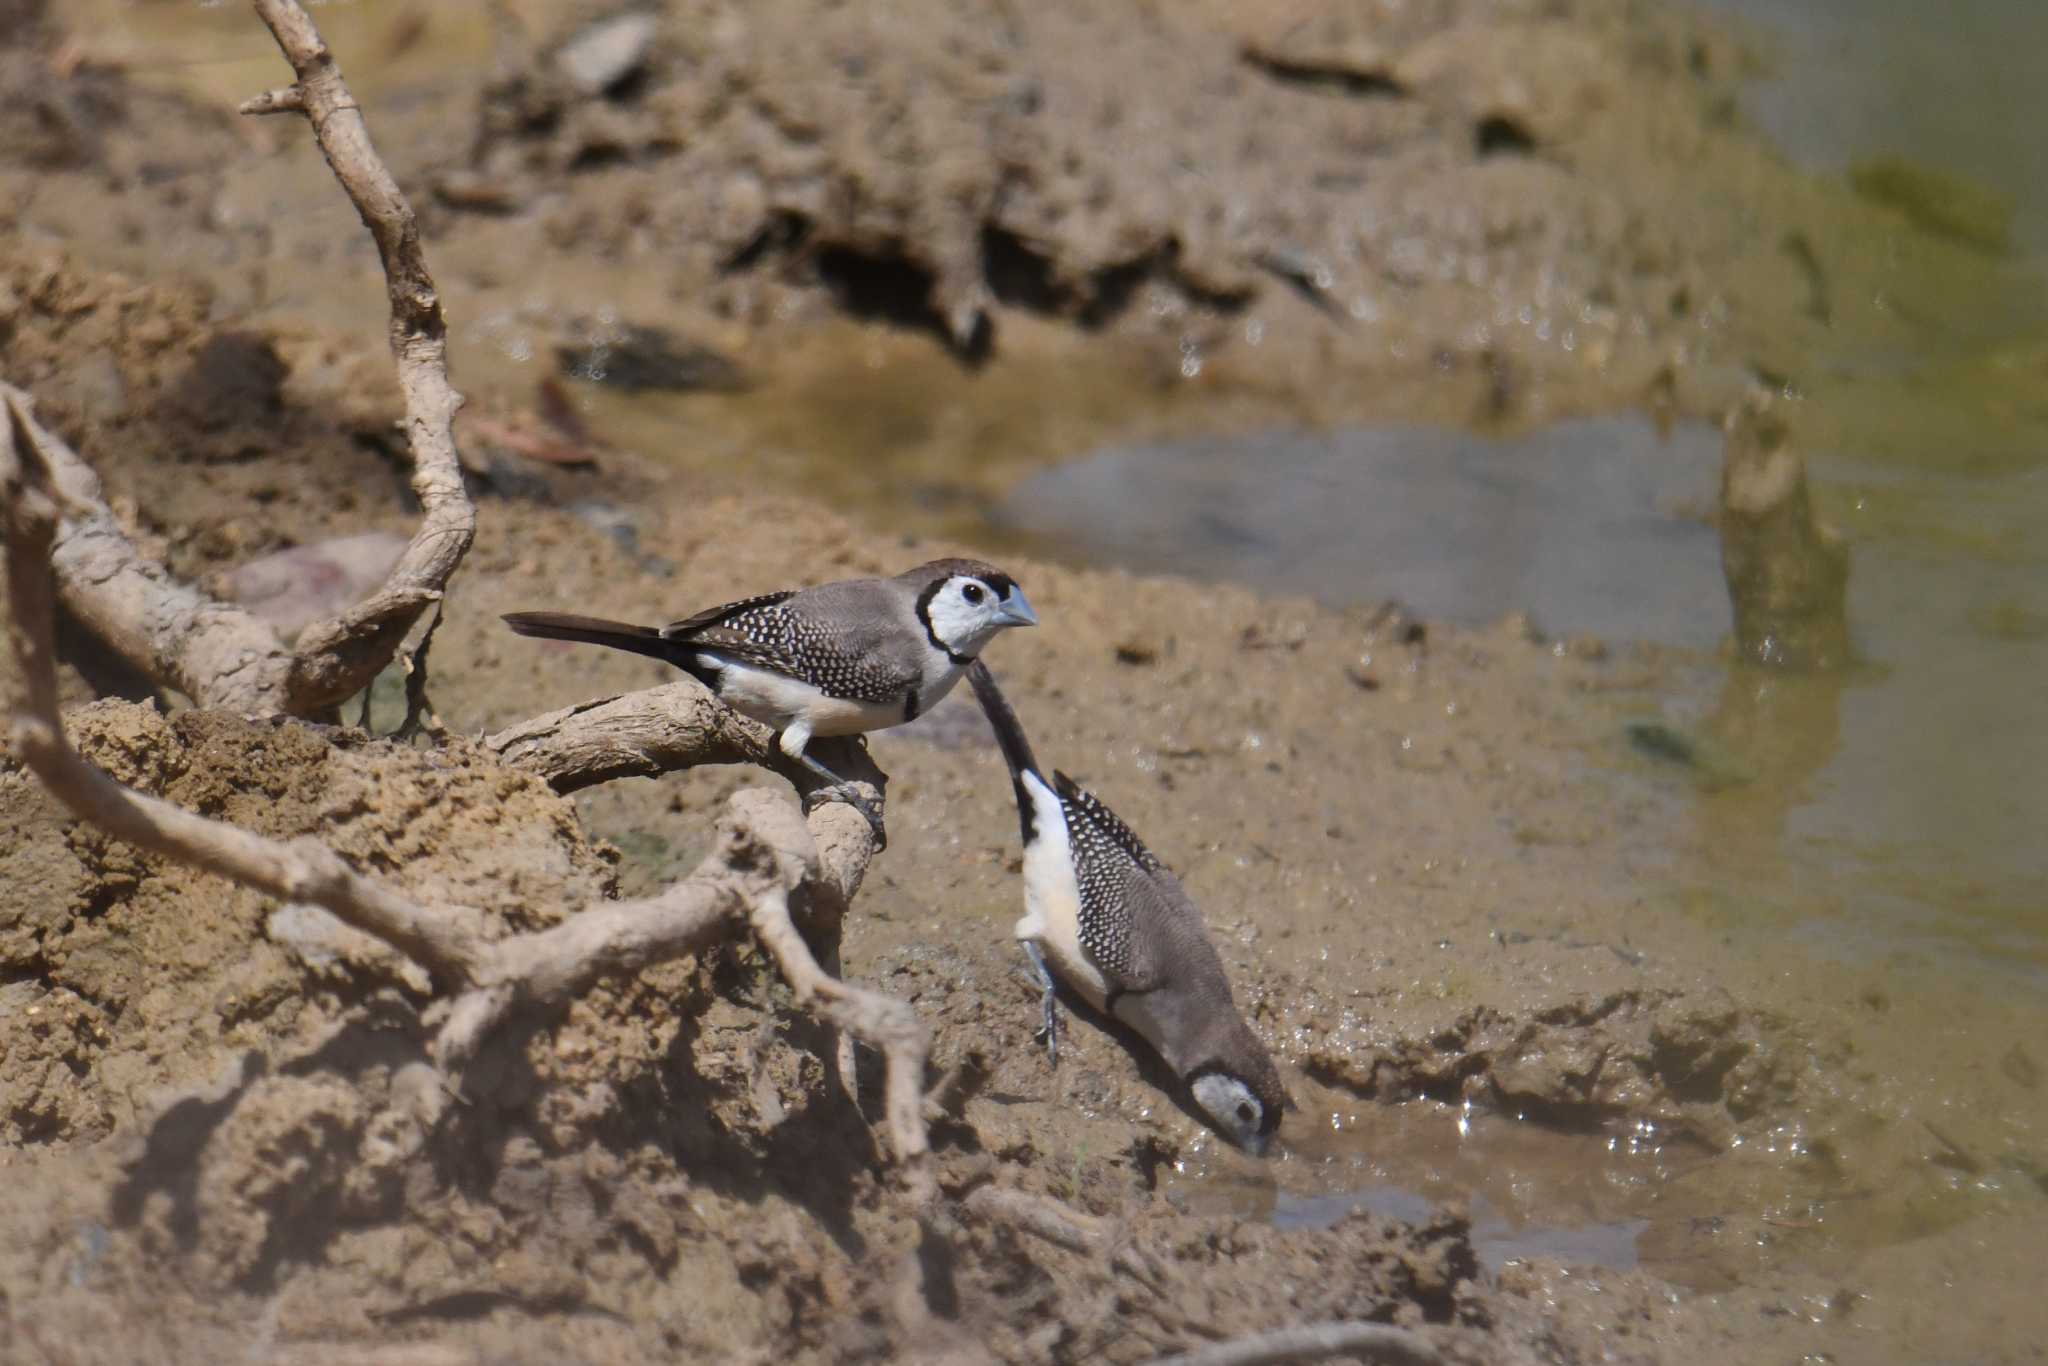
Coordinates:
column 1233, row 1108
column 966, row 612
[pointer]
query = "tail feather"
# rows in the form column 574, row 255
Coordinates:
column 619, row 635
column 1009, row 737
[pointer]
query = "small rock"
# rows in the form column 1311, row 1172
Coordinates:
column 294, row 588
column 603, row 54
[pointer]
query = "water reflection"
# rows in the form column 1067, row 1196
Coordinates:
column 1593, row 526
column 1907, row 786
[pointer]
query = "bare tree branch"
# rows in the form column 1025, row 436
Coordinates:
column 681, row 725
column 338, row 657
column 1047, row 1219
column 887, row 1025
column 765, row 857
column 1313, row 1342
column 214, row 652
column 640, row 735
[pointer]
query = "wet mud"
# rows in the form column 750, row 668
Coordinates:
column 1436, row 866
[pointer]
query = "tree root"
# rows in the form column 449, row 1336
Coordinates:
column 1313, row 1342
column 215, row 652
column 765, row 857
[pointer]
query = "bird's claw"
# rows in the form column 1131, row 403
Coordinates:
column 1049, row 1030
column 855, row 798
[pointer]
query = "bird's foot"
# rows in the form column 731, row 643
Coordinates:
column 855, row 798
column 1048, row 1003
column 1050, row 1030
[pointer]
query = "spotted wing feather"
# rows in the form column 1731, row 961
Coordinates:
column 689, row 627
column 852, row 640
column 1127, row 896
column 1080, row 801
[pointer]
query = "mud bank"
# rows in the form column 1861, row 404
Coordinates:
column 1433, row 862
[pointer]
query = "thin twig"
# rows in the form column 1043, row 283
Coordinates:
column 419, row 712
column 214, row 652
column 337, row 657
column 1313, row 1342
column 887, row 1025
column 1042, row 1217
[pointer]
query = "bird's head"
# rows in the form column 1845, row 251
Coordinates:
column 1240, row 1090
column 963, row 603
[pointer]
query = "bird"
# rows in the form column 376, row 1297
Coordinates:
column 1116, row 926
column 838, row 658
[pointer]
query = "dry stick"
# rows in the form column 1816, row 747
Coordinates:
column 217, row 653
column 1046, row 1218
column 763, row 855
column 884, row 1023
column 340, row 656
column 445, row 941
column 214, row 652
column 1313, row 1342
column 640, row 735
column 681, row 725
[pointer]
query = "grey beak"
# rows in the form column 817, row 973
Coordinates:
column 1016, row 611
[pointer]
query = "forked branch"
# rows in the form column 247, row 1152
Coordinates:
column 338, row 657
column 764, row 858
column 214, row 652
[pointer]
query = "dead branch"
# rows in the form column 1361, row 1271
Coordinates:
column 339, row 657
column 1041, row 1217
column 764, row 857
column 214, row 652
column 1313, row 1342
column 681, row 725
column 640, row 735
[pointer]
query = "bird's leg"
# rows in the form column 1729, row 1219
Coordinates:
column 1050, row 1029
column 792, row 742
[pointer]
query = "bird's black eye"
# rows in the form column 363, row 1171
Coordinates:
column 972, row 592
column 1246, row 1114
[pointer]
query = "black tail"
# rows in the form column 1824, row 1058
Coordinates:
column 1010, row 736
column 644, row 640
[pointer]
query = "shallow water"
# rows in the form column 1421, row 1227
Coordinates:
column 1914, row 781
column 1955, row 86
column 1592, row 526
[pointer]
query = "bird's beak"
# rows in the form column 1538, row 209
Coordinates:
column 1016, row 611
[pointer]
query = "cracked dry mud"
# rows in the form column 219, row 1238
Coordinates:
column 1429, row 890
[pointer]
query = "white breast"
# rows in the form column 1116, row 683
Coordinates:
column 1052, row 897
column 777, row 699
column 940, row 674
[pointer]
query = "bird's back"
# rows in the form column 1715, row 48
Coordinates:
column 847, row 638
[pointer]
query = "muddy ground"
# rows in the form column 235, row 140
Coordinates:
column 1420, row 848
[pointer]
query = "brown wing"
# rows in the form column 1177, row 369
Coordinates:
column 1167, row 938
